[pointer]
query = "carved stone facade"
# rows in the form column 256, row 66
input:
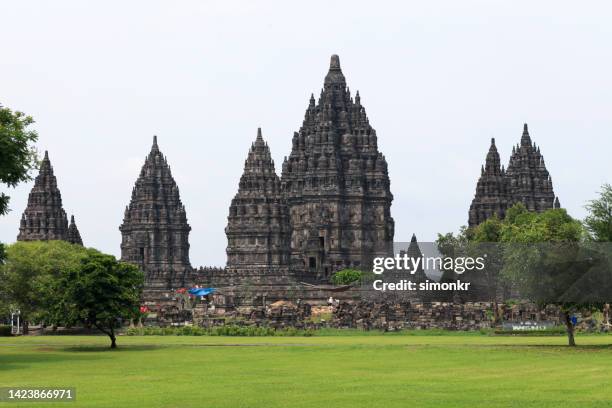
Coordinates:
column 526, row 180
column 155, row 232
column 44, row 217
column 336, row 185
column 258, row 222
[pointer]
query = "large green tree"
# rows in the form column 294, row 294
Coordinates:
column 544, row 256
column 100, row 293
column 29, row 271
column 17, row 154
column 599, row 221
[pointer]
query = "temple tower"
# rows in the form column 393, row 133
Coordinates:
column 414, row 252
column 155, row 232
column 44, row 217
column 73, row 236
column 491, row 190
column 258, row 222
column 526, row 180
column 529, row 181
column 336, row 184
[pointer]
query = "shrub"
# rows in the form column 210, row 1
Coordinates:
column 346, row 276
column 226, row 330
column 5, row 331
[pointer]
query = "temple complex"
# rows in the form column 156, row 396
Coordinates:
column 526, row 180
column 330, row 208
column 155, row 232
column 44, row 217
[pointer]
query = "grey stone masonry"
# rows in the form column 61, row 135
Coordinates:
column 258, row 222
column 155, row 232
column 526, row 180
column 44, row 217
column 73, row 236
column 337, row 185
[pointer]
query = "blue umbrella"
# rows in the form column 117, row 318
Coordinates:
column 201, row 291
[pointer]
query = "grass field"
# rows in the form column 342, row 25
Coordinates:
column 333, row 371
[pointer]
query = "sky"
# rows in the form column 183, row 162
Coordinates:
column 438, row 80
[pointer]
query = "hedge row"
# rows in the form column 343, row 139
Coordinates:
column 228, row 330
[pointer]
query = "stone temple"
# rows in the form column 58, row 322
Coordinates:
column 258, row 222
column 330, row 208
column 526, row 180
column 44, row 217
column 155, row 232
column 336, row 185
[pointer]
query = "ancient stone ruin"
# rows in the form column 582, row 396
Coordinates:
column 155, row 232
column 526, row 181
column 336, row 184
column 44, row 218
column 329, row 209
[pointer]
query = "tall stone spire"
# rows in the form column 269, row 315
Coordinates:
column 258, row 222
column 491, row 190
column 529, row 181
column 526, row 180
column 73, row 236
column 414, row 252
column 44, row 217
column 155, row 232
column 337, row 184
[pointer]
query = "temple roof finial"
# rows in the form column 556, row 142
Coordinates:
column 334, row 64
column 259, row 136
column 414, row 238
column 46, row 155
column 525, row 139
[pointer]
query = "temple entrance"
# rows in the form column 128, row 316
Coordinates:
column 312, row 262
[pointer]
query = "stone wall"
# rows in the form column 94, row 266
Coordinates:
column 451, row 316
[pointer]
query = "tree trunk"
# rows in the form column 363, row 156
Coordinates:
column 570, row 329
column 110, row 333
column 113, row 338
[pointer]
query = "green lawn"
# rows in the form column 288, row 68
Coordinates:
column 336, row 371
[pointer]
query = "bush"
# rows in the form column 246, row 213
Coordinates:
column 5, row 331
column 346, row 276
column 227, row 330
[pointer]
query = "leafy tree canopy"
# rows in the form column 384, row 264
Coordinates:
column 100, row 293
column 17, row 154
column 31, row 268
column 599, row 221
column 65, row 284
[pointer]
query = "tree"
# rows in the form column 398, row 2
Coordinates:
column 29, row 271
column 543, row 257
column 100, row 293
column 599, row 221
column 17, row 154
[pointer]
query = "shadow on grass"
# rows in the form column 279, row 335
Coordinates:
column 120, row 348
column 31, row 360
column 579, row 347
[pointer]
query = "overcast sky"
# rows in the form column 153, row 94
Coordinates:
column 438, row 80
